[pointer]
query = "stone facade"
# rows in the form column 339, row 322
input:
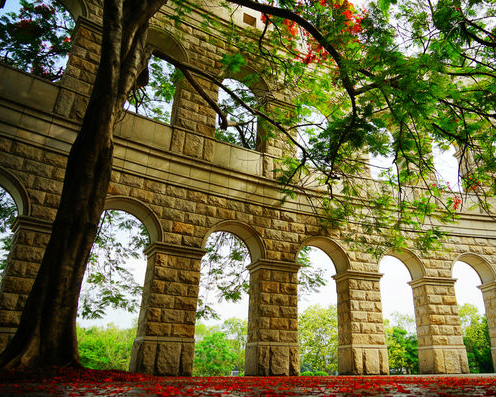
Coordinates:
column 184, row 185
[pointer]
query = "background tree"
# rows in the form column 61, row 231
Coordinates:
column 105, row 348
column 8, row 213
column 213, row 356
column 402, row 345
column 236, row 332
column 476, row 339
column 318, row 338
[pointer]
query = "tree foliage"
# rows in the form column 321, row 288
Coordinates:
column 318, row 337
column 37, row 39
column 109, row 281
column 213, row 356
column 476, row 339
column 402, row 345
column 105, row 347
column 8, row 213
column 220, row 349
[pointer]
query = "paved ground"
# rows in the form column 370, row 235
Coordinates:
column 69, row 382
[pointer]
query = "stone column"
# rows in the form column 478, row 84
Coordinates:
column 362, row 346
column 165, row 341
column 31, row 236
column 440, row 349
column 272, row 347
column 489, row 294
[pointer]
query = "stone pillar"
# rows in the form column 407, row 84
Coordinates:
column 30, row 239
column 272, row 347
column 362, row 346
column 165, row 341
column 440, row 349
column 489, row 293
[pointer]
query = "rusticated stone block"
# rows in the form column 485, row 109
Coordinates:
column 166, row 274
column 185, row 303
column 269, row 286
column 168, row 359
column 279, row 361
column 183, row 228
column 372, row 364
column 158, row 329
column 143, row 357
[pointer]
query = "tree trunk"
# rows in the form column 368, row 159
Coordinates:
column 46, row 334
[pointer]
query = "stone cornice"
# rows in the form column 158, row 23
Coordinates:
column 436, row 281
column 172, row 249
column 357, row 275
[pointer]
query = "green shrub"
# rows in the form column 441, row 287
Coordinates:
column 105, row 348
column 321, row 373
column 307, row 373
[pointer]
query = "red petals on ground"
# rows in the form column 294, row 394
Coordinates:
column 83, row 382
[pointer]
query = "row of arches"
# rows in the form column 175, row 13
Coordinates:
column 250, row 237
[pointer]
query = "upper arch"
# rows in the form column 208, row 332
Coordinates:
column 76, row 8
column 163, row 42
column 245, row 232
column 331, row 248
column 17, row 190
column 140, row 211
column 483, row 268
column 412, row 262
column 260, row 88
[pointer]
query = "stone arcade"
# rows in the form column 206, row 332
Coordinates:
column 184, row 185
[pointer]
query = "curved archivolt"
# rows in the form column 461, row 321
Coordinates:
column 244, row 232
column 165, row 43
column 333, row 250
column 16, row 190
column 140, row 211
column 484, row 270
column 76, row 8
column 411, row 261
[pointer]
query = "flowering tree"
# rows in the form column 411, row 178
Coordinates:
column 37, row 39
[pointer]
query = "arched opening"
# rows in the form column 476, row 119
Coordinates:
column 381, row 161
column 222, row 312
column 112, row 287
column 470, row 271
column 398, row 311
column 36, row 38
column 8, row 213
column 243, row 126
column 311, row 123
column 156, row 100
column 317, row 309
column 446, row 166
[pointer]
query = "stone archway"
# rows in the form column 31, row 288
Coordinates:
column 17, row 190
column 77, row 8
column 246, row 233
column 487, row 276
column 140, row 211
